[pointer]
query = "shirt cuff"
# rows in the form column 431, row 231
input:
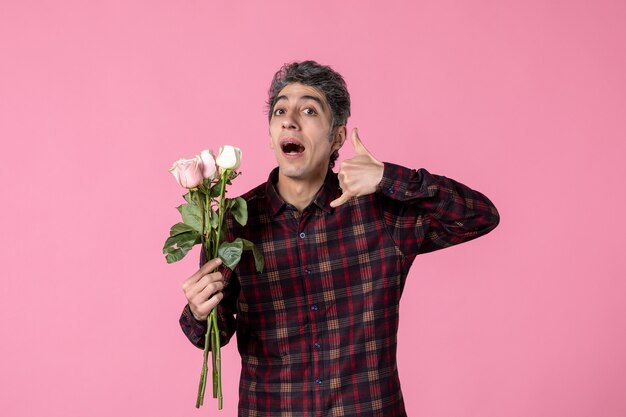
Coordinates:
column 396, row 181
column 195, row 330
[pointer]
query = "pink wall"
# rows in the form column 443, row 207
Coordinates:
column 523, row 100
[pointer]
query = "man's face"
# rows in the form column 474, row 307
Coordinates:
column 300, row 133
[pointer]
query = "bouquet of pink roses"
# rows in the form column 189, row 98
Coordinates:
column 206, row 178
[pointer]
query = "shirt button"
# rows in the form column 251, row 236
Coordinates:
column 308, row 271
column 390, row 190
column 318, row 381
column 317, row 346
column 314, row 307
column 302, row 235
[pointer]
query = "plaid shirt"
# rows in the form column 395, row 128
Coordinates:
column 317, row 330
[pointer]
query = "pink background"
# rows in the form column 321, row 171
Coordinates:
column 523, row 100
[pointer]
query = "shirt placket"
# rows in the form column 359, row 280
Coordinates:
column 315, row 303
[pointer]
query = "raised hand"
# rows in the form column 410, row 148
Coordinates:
column 359, row 175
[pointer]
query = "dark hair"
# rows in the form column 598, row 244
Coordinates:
column 321, row 77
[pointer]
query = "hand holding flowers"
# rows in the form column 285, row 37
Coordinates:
column 203, row 223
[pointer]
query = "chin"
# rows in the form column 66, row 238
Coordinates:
column 300, row 171
column 290, row 172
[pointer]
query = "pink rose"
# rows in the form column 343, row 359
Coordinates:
column 188, row 172
column 208, row 162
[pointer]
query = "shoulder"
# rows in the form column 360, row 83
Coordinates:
column 255, row 195
column 255, row 201
column 257, row 207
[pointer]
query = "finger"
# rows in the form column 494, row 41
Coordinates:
column 204, row 270
column 339, row 201
column 213, row 301
column 206, row 280
column 210, row 266
column 358, row 144
column 201, row 311
column 209, row 290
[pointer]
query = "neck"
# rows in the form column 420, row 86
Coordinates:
column 298, row 193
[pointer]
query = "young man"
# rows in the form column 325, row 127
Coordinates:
column 317, row 329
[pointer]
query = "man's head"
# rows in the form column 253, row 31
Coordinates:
column 326, row 81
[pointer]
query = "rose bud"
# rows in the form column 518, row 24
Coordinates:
column 229, row 157
column 188, row 172
column 208, row 162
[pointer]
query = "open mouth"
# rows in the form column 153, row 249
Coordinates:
column 291, row 148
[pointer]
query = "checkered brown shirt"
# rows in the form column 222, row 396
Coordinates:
column 317, row 330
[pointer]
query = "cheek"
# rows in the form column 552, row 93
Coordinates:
column 270, row 136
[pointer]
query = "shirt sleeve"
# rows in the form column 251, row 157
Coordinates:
column 426, row 212
column 195, row 330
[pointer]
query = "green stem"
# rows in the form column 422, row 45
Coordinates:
column 220, row 211
column 212, row 337
column 203, row 373
column 218, row 366
column 205, row 366
column 214, row 348
column 203, row 237
column 207, row 220
column 216, row 354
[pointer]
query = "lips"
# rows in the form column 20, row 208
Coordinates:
column 291, row 146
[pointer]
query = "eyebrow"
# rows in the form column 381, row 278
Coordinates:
column 316, row 99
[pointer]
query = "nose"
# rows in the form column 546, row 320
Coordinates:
column 289, row 123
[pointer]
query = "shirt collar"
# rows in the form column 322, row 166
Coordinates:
column 327, row 193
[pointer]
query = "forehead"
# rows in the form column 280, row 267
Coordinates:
column 297, row 92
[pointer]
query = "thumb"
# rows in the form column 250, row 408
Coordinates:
column 358, row 145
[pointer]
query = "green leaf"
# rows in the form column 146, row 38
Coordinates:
column 192, row 216
column 187, row 197
column 215, row 190
column 201, row 189
column 239, row 209
column 196, row 196
column 179, row 228
column 259, row 260
column 230, row 253
column 175, row 256
column 182, row 240
column 207, row 221
column 215, row 221
column 177, row 245
column 180, row 208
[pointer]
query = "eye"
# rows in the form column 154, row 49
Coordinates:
column 310, row 111
column 278, row 112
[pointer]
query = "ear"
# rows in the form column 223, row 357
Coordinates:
column 340, row 137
